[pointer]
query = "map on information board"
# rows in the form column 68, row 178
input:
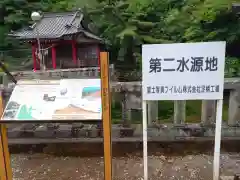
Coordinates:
column 66, row 99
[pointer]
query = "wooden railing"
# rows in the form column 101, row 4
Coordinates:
column 131, row 96
column 91, row 72
column 129, row 93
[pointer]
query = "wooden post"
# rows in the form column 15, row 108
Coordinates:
column 208, row 115
column 74, row 52
column 128, row 106
column 54, row 63
column 179, row 112
column 113, row 98
column 106, row 114
column 124, row 102
column 5, row 165
column 152, row 112
column 3, row 175
column 98, row 54
column 234, row 107
column 34, row 57
column 5, row 80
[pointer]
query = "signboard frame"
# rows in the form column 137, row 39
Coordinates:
column 5, row 165
column 219, row 98
column 87, row 121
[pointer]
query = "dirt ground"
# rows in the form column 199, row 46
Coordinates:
column 192, row 167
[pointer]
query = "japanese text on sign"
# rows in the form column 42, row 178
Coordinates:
column 183, row 71
column 183, row 89
column 193, row 64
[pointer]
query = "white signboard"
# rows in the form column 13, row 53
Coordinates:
column 183, row 71
column 66, row 99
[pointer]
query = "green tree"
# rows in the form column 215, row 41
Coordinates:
column 124, row 25
column 128, row 24
column 15, row 14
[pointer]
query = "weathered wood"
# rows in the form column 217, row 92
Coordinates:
column 135, row 86
column 152, row 111
column 113, row 99
column 179, row 112
column 234, row 107
column 133, row 102
column 125, row 118
column 231, row 83
column 208, row 115
column 60, row 73
column 133, row 94
column 5, row 80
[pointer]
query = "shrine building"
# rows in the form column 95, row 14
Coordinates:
column 66, row 40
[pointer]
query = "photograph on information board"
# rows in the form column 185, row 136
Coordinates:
column 183, row 71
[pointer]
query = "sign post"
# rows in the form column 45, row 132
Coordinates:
column 184, row 71
column 217, row 146
column 82, row 100
column 106, row 114
column 5, row 165
column 145, row 150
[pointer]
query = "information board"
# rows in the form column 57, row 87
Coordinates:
column 66, row 99
column 183, row 71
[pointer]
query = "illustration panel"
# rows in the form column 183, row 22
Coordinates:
column 67, row 99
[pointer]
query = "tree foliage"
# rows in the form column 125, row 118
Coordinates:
column 127, row 24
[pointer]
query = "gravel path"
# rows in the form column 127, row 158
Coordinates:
column 192, row 167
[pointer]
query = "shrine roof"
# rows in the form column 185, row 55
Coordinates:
column 55, row 25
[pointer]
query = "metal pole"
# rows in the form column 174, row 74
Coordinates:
column 217, row 146
column 145, row 143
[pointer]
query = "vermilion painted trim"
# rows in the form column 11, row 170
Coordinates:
column 74, row 52
column 34, row 57
column 54, row 62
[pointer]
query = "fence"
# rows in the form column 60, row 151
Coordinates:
column 127, row 96
column 132, row 100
